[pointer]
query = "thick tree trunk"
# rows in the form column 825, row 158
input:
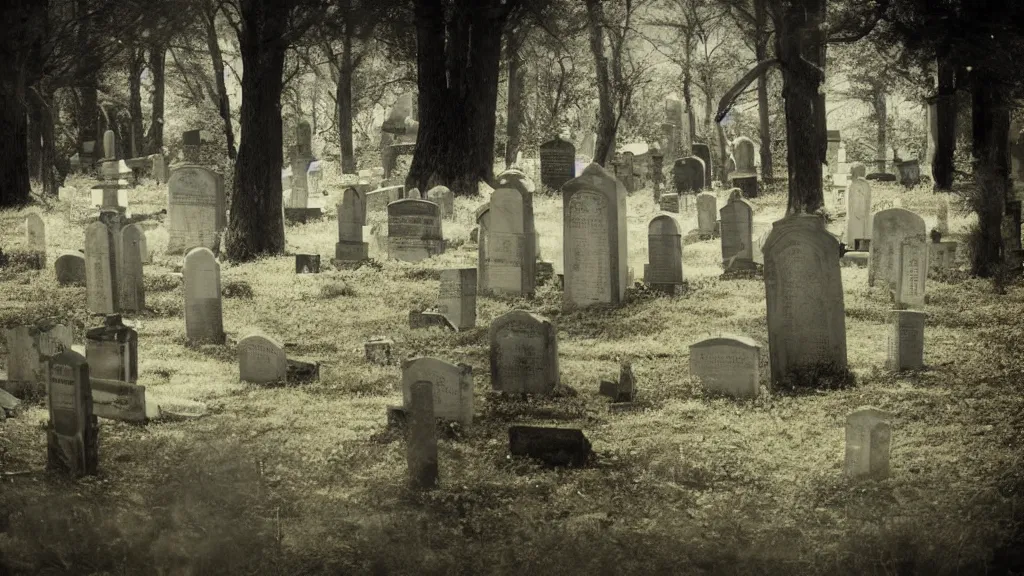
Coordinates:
column 133, row 147
column 35, row 146
column 89, row 123
column 604, row 147
column 255, row 227
column 457, row 78
column 155, row 136
column 881, row 138
column 764, row 126
column 343, row 109
column 946, row 116
column 14, row 176
column 799, row 49
column 223, row 102
column 517, row 71
column 689, row 133
column 990, row 138
column 48, row 146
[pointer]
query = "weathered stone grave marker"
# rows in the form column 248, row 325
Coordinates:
column 35, row 234
column 261, row 359
column 443, row 197
column 523, row 353
column 457, row 297
column 594, row 238
column 101, row 272
column 707, row 213
column 452, row 387
column 868, row 435
column 69, row 268
column 727, row 365
column 858, row 214
column 204, row 320
column 378, row 200
column 888, row 230
column 422, row 438
column 195, row 208
column 130, row 281
column 688, row 175
column 664, row 270
column 351, row 219
column 112, row 350
column 29, row 348
column 557, row 163
column 414, row 230
column 906, row 340
column 737, row 229
column 703, row 151
column 483, row 219
column 912, row 272
column 511, row 244
column 553, row 446
column 72, row 435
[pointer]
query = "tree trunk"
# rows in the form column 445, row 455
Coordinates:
column 604, row 147
column 343, row 108
column 155, row 137
column 14, row 175
column 133, row 146
column 990, row 138
column 89, row 117
column 516, row 88
column 457, row 78
column 799, row 50
column 48, row 146
column 764, row 126
column 223, row 103
column 945, row 115
column 689, row 135
column 255, row 227
column 35, row 149
column 881, row 139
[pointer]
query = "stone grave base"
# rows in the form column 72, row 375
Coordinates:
column 668, row 289
column 302, row 215
column 348, row 264
column 351, row 251
column 854, row 259
column 740, row 271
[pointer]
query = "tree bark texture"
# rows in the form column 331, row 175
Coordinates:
column 48, row 142
column 255, row 226
column 604, row 147
column 946, row 117
column 223, row 102
column 343, row 108
column 990, row 126
column 764, row 125
column 517, row 71
column 881, row 136
column 133, row 147
column 458, row 62
column 155, row 136
column 35, row 146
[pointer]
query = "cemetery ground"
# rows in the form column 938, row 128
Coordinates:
column 307, row 478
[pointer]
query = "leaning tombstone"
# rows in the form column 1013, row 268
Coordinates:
column 72, row 435
column 804, row 292
column 131, row 285
column 422, row 439
column 664, row 271
column 452, row 387
column 195, row 208
column 511, row 239
column 101, row 273
column 737, row 230
column 727, row 365
column 204, row 321
column 912, row 272
column 444, row 198
column 868, row 435
column 69, row 268
column 888, row 230
column 261, row 359
column 457, row 297
column 112, row 350
column 414, row 230
column 707, row 213
column 29, row 348
column 557, row 163
column 594, row 239
column 906, row 340
column 523, row 353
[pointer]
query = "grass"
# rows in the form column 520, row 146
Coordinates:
column 308, row 480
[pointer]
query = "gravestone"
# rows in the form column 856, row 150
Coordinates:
column 594, row 238
column 261, row 359
column 452, row 387
column 858, row 170
column 910, row 173
column 159, row 168
column 664, row 254
column 35, row 233
column 669, row 203
column 195, row 208
column 422, row 438
column 912, row 272
column 70, row 269
column 743, row 153
column 351, row 219
column 307, row 263
column 941, row 256
column 101, row 273
column 906, row 340
column 737, row 229
column 29, row 348
column 483, row 219
column 457, row 297
column 888, row 230
column 804, row 292
column 414, row 230
column 414, row 194
column 378, row 200
column 112, row 350
column 144, row 253
column 588, row 145
column 868, row 434
column 444, row 198
column 557, row 163
column 119, row 400
column 551, row 445
column 511, row 244
column 688, row 175
column 657, row 170
column 191, row 144
column 942, row 216
column 858, row 214
column 72, row 433
column 523, row 353
column 301, row 157
column 832, row 152
column 204, row 320
column 130, row 278
column 727, row 365
column 707, row 213
column 703, row 151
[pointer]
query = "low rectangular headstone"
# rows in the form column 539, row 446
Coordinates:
column 117, row 400
column 868, row 437
column 261, row 359
column 553, row 446
column 906, row 340
column 457, row 297
column 422, row 439
column 72, row 434
column 727, row 365
column 452, row 386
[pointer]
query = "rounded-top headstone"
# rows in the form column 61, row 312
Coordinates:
column 662, row 225
column 261, row 359
column 858, row 170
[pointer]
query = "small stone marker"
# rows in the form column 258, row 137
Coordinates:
column 131, row 282
column 707, row 213
column 452, row 387
column 703, row 151
column 858, row 214
column 351, row 219
column 804, row 292
column 664, row 253
column 419, row 320
column 29, row 348
column 669, row 203
column 112, row 350
column 553, row 446
column 414, row 194
column 444, row 198
column 414, row 230
column 727, row 365
column 906, row 340
column 737, row 229
column 868, row 435
column 457, row 297
column 72, row 434
column 261, row 359
column 912, row 272
column 557, row 163
column 204, row 320
column 594, row 239
column 523, row 353
column 195, row 208
column 511, row 253
column 307, row 263
column 35, row 233
column 688, row 175
column 118, row 400
column 888, row 229
column 102, row 293
column 378, row 200
column 941, row 256
column 422, row 438
column 378, row 351
column 69, row 269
